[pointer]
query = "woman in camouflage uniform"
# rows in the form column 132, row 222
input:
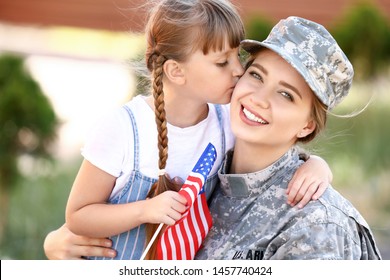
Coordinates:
column 293, row 79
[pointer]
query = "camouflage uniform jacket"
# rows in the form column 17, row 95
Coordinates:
column 252, row 220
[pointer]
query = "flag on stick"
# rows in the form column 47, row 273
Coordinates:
column 182, row 240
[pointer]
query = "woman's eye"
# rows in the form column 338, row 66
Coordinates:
column 256, row 76
column 222, row 64
column 287, row 95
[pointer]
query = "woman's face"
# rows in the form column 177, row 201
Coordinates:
column 271, row 104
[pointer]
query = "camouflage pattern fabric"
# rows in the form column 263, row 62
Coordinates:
column 314, row 53
column 251, row 220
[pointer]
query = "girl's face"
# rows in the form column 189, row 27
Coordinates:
column 212, row 77
column 271, row 104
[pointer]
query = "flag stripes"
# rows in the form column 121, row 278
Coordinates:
column 182, row 240
column 192, row 187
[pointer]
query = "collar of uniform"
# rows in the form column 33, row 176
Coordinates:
column 253, row 184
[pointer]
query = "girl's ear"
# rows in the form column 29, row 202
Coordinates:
column 309, row 128
column 173, row 71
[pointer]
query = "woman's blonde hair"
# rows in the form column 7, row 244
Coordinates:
column 175, row 30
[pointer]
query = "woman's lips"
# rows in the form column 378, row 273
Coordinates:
column 252, row 117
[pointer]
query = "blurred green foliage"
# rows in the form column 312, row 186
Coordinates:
column 27, row 119
column 364, row 134
column 364, row 34
column 28, row 125
column 37, row 207
column 258, row 27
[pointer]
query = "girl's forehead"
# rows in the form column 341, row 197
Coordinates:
column 218, row 42
column 226, row 50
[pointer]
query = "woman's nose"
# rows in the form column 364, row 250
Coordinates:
column 261, row 98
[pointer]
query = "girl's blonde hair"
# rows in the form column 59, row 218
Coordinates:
column 175, row 30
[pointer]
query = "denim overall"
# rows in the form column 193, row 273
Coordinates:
column 130, row 245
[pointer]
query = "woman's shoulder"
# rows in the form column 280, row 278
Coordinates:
column 332, row 209
column 337, row 206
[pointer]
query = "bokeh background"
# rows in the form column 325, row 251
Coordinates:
column 62, row 63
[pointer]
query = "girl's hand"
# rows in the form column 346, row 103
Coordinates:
column 309, row 182
column 165, row 208
column 62, row 244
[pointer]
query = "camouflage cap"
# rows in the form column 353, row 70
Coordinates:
column 314, row 53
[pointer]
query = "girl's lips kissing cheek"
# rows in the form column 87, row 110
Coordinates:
column 251, row 118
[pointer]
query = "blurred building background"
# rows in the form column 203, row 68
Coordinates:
column 124, row 15
column 78, row 51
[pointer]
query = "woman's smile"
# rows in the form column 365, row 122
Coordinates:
column 253, row 117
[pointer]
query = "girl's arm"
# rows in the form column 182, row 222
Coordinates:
column 87, row 211
column 309, row 181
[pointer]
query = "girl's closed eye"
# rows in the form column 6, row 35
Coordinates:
column 222, row 64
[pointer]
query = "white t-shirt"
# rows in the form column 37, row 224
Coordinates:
column 109, row 144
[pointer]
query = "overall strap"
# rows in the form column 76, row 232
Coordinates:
column 221, row 126
column 136, row 138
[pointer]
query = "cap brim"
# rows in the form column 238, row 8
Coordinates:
column 251, row 46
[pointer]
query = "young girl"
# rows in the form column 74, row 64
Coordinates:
column 293, row 78
column 192, row 53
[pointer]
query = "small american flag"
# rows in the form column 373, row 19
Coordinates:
column 182, row 240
